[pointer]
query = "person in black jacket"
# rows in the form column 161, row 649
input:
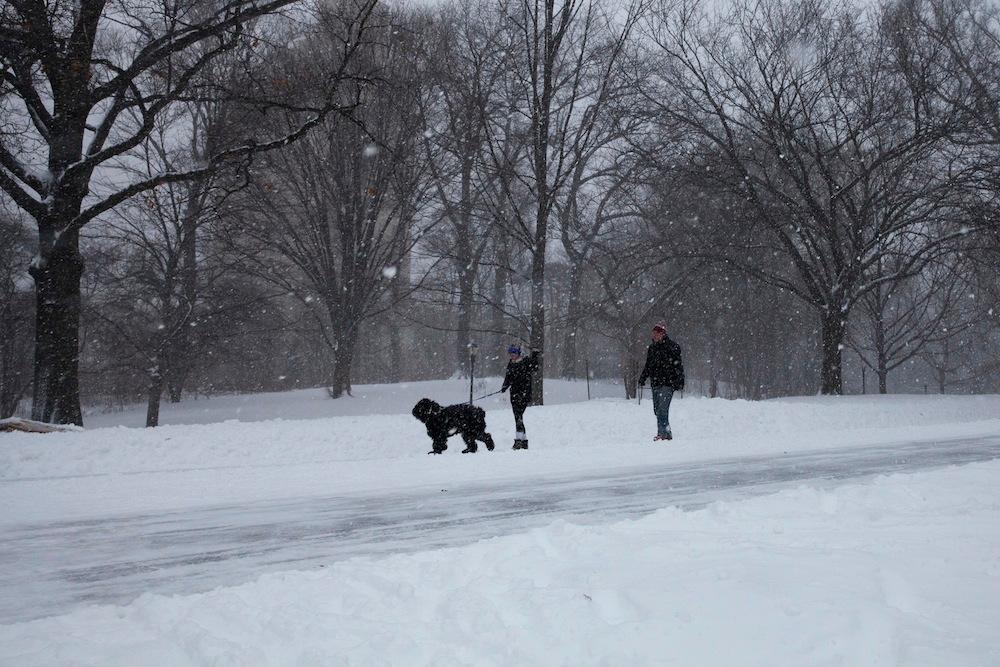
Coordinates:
column 467, row 420
column 518, row 379
column 665, row 373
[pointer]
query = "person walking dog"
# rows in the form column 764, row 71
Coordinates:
column 520, row 371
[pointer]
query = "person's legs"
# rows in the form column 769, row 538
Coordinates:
column 655, row 395
column 661, row 408
column 520, row 437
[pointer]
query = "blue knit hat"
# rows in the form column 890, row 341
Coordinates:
column 514, row 349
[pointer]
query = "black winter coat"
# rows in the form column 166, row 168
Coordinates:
column 663, row 365
column 518, row 378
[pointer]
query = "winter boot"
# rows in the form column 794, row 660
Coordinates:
column 520, row 444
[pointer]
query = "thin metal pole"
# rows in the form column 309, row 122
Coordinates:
column 472, row 368
column 586, row 367
column 472, row 374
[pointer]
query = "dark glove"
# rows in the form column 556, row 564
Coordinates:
column 503, row 389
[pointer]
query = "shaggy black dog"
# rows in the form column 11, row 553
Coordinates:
column 468, row 420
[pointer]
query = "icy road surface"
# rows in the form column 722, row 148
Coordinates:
column 52, row 568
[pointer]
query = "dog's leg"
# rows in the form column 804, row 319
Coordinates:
column 439, row 446
column 487, row 440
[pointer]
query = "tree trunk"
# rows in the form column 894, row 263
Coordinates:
column 942, row 371
column 175, row 388
column 630, row 373
column 881, row 357
column 57, row 330
column 153, row 399
column 500, row 278
column 713, row 359
column 182, row 350
column 465, row 284
column 466, row 269
column 832, row 330
column 395, row 336
column 569, row 347
column 395, row 356
column 537, row 335
column 178, row 362
column 343, row 358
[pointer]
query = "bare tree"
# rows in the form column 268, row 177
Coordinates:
column 958, row 40
column 900, row 319
column 565, row 51
column 600, row 190
column 795, row 107
column 75, row 76
column 163, row 290
column 638, row 277
column 467, row 56
column 330, row 219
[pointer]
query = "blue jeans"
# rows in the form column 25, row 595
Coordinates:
column 661, row 408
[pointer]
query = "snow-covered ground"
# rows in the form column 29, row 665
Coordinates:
column 119, row 470
column 900, row 569
column 904, row 570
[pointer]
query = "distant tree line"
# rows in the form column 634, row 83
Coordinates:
column 257, row 196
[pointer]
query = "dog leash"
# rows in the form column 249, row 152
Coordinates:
column 479, row 398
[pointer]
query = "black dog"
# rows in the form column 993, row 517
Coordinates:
column 468, row 420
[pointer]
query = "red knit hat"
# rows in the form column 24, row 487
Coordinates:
column 659, row 326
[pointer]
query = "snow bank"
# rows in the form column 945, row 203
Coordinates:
column 727, row 427
column 900, row 570
column 118, row 470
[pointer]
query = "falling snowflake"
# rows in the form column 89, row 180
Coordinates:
column 389, row 272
